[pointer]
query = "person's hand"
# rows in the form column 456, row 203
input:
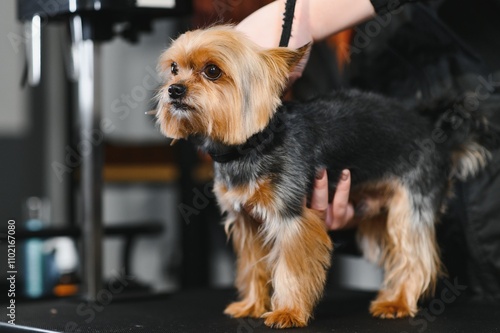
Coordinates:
column 339, row 213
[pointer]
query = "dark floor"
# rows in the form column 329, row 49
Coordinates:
column 201, row 311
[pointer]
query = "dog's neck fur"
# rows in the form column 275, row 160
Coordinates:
column 257, row 143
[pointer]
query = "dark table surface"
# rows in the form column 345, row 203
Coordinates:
column 201, row 311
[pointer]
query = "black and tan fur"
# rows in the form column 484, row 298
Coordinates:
column 224, row 93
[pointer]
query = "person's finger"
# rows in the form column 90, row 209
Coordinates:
column 346, row 222
column 341, row 211
column 319, row 199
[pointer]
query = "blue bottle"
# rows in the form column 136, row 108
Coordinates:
column 33, row 251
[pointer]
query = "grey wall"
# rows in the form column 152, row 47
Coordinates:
column 14, row 120
column 21, row 141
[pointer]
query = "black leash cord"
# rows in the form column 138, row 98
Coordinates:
column 286, row 33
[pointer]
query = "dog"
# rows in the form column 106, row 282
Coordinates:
column 224, row 93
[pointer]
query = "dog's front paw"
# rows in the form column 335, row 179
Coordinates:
column 245, row 309
column 285, row 319
column 391, row 309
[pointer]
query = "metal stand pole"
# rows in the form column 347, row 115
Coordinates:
column 87, row 62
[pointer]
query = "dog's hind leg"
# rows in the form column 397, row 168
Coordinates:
column 299, row 258
column 409, row 254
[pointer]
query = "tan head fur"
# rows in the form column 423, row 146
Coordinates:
column 225, row 87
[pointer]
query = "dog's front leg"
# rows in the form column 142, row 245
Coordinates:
column 298, row 259
column 252, row 275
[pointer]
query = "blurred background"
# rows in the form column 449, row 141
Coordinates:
column 161, row 225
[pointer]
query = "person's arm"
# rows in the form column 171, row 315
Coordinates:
column 313, row 20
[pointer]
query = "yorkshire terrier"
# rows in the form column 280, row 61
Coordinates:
column 224, row 93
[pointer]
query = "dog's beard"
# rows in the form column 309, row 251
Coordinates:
column 180, row 110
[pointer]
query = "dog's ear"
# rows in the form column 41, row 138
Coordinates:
column 286, row 62
column 286, row 58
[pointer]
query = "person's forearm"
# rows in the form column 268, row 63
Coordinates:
column 313, row 20
column 327, row 17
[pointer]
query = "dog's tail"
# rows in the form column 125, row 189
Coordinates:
column 467, row 132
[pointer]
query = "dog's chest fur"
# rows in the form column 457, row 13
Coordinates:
column 249, row 186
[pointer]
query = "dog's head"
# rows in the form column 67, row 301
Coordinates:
column 221, row 85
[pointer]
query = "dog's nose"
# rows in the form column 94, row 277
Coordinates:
column 176, row 91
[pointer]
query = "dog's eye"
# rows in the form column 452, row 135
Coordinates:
column 174, row 68
column 212, row 72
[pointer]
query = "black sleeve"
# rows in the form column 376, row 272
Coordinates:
column 384, row 6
